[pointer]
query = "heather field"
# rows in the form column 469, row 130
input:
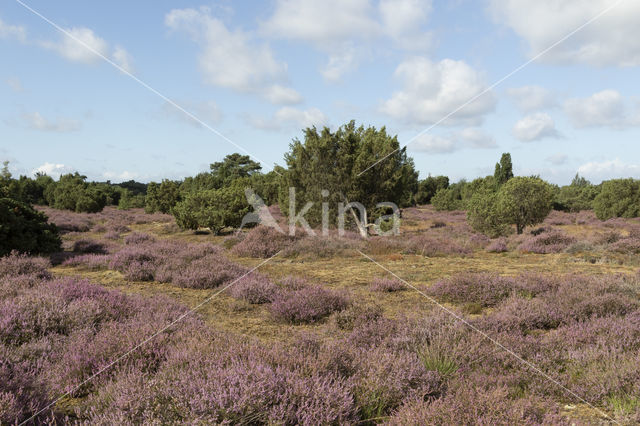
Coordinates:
column 439, row 325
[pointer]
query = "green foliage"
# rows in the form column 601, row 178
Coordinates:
column 223, row 173
column 521, row 201
column 524, row 201
column 234, row 166
column 618, row 198
column 333, row 161
column 448, row 199
column 26, row 230
column 24, row 189
column 483, row 214
column 162, row 197
column 134, row 188
column 428, row 187
column 215, row 209
column 577, row 196
column 504, row 169
column 72, row 192
column 130, row 201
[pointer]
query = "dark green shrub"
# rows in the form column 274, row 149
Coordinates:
column 162, row 197
column 215, row 209
column 618, row 198
column 26, row 230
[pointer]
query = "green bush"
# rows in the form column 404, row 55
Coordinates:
column 130, row 201
column 215, row 209
column 72, row 192
column 575, row 197
column 521, row 201
column 524, row 201
column 483, row 214
column 447, row 199
column 428, row 187
column 618, row 198
column 26, row 230
column 162, row 197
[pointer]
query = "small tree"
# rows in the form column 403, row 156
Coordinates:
column 524, row 201
column 215, row 209
column 339, row 161
column 483, row 214
column 26, row 230
column 428, row 187
column 162, row 197
column 504, row 169
column 618, row 198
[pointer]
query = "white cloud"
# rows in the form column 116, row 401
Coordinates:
column 52, row 169
column 290, row 118
column 403, row 21
column 207, row 111
column 120, row 176
column 12, row 31
column 123, row 59
column 84, row 46
column 605, row 108
column 325, row 23
column 349, row 30
column 231, row 59
column 535, row 127
column 472, row 137
column 531, row 98
column 612, row 39
column 433, row 90
column 281, row 95
column 433, row 144
column 609, row 169
column 79, row 46
column 15, row 84
column 475, row 137
column 36, row 121
column 557, row 159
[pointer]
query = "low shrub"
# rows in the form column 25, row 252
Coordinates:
column 357, row 315
column 89, row 246
column 485, row 289
column 547, row 242
column 387, row 285
column 255, row 289
column 92, row 262
column 432, row 246
column 498, row 245
column 208, row 272
column 17, row 264
column 137, row 263
column 308, row 305
column 262, row 242
column 138, row 238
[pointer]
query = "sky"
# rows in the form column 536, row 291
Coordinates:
column 158, row 89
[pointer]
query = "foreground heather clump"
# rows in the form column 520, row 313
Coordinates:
column 254, row 288
column 307, row 305
column 262, row 241
column 498, row 245
column 547, row 242
column 434, row 246
column 16, row 264
column 484, row 289
column 387, row 285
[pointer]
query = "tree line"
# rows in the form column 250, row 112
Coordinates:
column 326, row 167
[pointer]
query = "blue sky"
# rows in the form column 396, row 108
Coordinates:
column 259, row 72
